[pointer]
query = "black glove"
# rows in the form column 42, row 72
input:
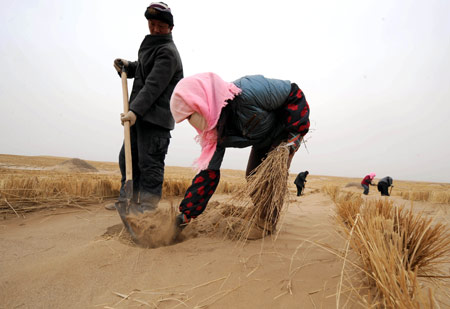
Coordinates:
column 119, row 63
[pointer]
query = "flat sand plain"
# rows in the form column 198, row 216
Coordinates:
column 81, row 258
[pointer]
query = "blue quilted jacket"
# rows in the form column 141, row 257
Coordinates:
column 251, row 118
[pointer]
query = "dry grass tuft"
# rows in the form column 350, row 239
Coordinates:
column 331, row 190
column 23, row 191
column 26, row 191
column 173, row 186
column 442, row 197
column 347, row 210
column 260, row 203
column 396, row 247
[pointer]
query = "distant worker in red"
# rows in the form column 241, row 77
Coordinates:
column 367, row 181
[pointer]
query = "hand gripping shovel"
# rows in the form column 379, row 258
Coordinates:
column 123, row 207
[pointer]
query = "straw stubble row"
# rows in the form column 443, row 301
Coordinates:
column 397, row 249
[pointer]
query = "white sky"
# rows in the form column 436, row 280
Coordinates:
column 375, row 73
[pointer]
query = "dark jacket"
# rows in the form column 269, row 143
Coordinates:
column 388, row 180
column 254, row 121
column 301, row 178
column 155, row 74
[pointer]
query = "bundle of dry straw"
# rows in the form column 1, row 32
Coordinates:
column 260, row 203
column 27, row 191
column 396, row 247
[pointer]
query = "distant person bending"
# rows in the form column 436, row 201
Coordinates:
column 384, row 184
column 367, row 181
column 300, row 182
column 156, row 72
column 251, row 111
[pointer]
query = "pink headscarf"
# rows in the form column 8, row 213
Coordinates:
column 372, row 175
column 206, row 94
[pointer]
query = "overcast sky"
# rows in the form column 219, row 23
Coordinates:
column 376, row 75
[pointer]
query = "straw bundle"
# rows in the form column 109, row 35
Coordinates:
column 23, row 191
column 27, row 191
column 427, row 196
column 396, row 248
column 174, row 186
column 332, row 190
column 260, row 203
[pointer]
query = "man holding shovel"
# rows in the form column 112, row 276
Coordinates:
column 156, row 72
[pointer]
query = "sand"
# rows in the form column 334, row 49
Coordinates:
column 75, row 165
column 78, row 258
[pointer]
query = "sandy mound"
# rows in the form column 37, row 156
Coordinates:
column 353, row 184
column 75, row 165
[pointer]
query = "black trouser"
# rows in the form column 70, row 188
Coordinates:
column 300, row 187
column 383, row 188
column 149, row 144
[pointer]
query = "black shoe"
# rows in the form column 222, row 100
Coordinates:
column 148, row 207
column 148, row 202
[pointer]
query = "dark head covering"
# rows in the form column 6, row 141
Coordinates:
column 159, row 11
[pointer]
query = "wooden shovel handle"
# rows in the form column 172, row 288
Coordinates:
column 126, row 126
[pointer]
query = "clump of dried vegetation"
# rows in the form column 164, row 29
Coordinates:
column 260, row 203
column 442, row 197
column 177, row 186
column 420, row 191
column 397, row 250
column 23, row 191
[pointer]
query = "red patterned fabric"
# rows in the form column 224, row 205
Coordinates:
column 296, row 112
column 198, row 194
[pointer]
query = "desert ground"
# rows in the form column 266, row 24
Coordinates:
column 70, row 252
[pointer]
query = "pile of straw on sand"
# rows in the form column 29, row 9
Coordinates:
column 260, row 203
column 353, row 184
column 426, row 195
column 396, row 248
column 26, row 191
column 23, row 191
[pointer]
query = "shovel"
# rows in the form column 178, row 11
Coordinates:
column 123, row 207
